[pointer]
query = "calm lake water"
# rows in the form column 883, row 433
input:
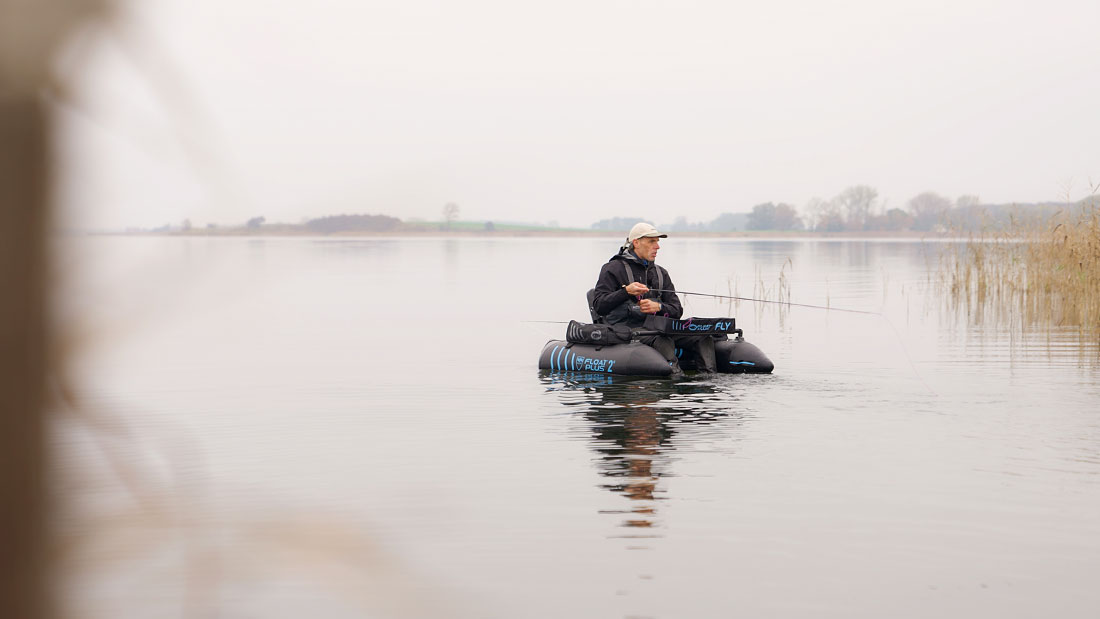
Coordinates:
column 349, row 428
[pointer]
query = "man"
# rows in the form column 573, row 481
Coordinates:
column 632, row 286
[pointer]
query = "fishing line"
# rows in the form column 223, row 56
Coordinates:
column 897, row 334
column 726, row 296
column 893, row 329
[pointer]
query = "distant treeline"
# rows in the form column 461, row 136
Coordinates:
column 858, row 209
column 353, row 223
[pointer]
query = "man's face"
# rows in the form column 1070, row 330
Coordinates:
column 646, row 248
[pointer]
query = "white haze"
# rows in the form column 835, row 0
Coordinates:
column 217, row 111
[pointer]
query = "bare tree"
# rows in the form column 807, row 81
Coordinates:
column 967, row 201
column 856, row 204
column 786, row 217
column 928, row 209
column 770, row 216
column 824, row 215
column 450, row 214
column 762, row 217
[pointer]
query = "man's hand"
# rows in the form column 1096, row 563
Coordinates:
column 649, row 306
column 635, row 289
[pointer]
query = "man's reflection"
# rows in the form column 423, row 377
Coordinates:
column 632, row 423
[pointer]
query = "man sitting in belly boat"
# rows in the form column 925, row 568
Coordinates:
column 632, row 285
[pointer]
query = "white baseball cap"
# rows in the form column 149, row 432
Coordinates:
column 642, row 229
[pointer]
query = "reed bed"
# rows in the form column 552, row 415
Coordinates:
column 1031, row 273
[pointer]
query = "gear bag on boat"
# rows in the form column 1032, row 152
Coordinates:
column 596, row 335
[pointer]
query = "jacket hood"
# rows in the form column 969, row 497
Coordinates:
column 629, row 256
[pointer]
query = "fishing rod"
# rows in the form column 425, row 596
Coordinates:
column 726, row 296
column 788, row 303
column 893, row 328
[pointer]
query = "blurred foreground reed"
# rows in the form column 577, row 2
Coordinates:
column 88, row 528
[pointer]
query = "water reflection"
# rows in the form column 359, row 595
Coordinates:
column 633, row 426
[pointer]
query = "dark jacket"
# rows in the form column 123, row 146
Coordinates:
column 613, row 303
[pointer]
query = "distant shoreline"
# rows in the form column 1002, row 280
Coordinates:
column 275, row 232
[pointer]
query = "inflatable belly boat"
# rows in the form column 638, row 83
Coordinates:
column 614, row 349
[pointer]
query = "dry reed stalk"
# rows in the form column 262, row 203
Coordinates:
column 1043, row 274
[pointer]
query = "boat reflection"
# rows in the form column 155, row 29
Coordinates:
column 633, row 426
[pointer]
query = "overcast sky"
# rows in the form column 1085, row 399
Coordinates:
column 570, row 111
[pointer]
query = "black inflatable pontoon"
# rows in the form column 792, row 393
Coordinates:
column 612, row 350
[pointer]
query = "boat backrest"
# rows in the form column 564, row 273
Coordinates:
column 592, row 306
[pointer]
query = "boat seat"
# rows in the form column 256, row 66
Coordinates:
column 592, row 306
